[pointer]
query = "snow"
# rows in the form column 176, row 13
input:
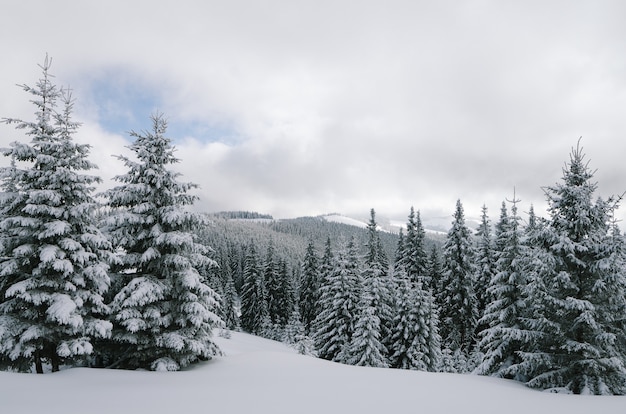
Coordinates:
column 337, row 218
column 261, row 376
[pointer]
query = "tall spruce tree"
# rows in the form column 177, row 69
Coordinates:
column 339, row 305
column 486, row 263
column 377, row 284
column 230, row 300
column 504, row 315
column 54, row 258
column 578, row 292
column 254, row 309
column 414, row 258
column 415, row 342
column 309, row 286
column 458, row 301
column 273, row 286
column 165, row 312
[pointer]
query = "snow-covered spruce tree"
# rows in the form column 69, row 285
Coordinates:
column 165, row 312
column 274, row 288
column 339, row 305
column 377, row 285
column 53, row 269
column 365, row 348
column 435, row 273
column 411, row 335
column 504, row 335
column 501, row 226
column 415, row 258
column 254, row 310
column 578, row 292
column 485, row 261
column 458, row 301
column 230, row 301
column 309, row 286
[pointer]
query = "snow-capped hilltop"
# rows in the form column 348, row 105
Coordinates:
column 338, row 218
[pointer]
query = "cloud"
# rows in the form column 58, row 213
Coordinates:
column 307, row 107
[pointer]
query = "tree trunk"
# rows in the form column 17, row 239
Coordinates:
column 54, row 361
column 38, row 364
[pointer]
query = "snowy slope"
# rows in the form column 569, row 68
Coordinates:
column 261, row 376
column 338, row 218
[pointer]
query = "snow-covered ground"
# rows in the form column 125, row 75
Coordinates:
column 338, row 218
column 261, row 376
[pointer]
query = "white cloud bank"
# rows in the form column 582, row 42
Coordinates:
column 308, row 107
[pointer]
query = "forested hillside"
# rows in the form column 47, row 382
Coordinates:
column 289, row 236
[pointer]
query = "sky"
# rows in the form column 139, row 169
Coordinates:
column 296, row 108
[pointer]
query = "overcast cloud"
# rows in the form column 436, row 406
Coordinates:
column 307, row 107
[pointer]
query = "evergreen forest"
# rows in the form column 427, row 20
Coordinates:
column 132, row 278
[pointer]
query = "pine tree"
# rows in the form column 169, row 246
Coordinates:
column 54, row 265
column 458, row 303
column 254, row 309
column 310, row 286
column 504, row 315
column 578, row 292
column 164, row 313
column 339, row 305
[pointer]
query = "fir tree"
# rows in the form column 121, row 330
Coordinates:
column 458, row 302
column 164, row 313
column 54, row 265
column 578, row 292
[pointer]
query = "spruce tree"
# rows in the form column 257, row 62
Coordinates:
column 415, row 343
column 54, row 258
column 377, row 285
column 414, row 258
column 504, row 315
column 578, row 292
column 435, row 274
column 458, row 301
column 485, row 260
column 309, row 286
column 229, row 295
column 274, row 286
column 339, row 305
column 365, row 348
column 164, row 313
column 254, row 309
